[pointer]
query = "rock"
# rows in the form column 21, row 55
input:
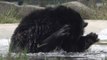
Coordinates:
column 84, row 10
column 6, row 7
column 26, row 9
column 21, row 11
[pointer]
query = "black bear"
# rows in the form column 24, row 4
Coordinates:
column 47, row 29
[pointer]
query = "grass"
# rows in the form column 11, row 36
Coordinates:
column 100, row 12
column 7, row 19
column 18, row 56
column 9, row 16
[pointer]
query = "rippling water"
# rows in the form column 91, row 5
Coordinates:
column 95, row 52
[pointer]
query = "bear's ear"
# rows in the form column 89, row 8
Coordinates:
column 85, row 24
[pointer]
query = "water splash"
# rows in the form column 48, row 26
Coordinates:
column 103, row 34
column 4, row 46
column 95, row 52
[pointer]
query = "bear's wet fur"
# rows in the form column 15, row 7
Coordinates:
column 47, row 29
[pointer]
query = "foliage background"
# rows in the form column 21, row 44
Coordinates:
column 11, row 13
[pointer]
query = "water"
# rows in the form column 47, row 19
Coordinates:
column 95, row 52
column 103, row 34
column 4, row 46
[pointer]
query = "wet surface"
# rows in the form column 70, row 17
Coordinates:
column 95, row 52
column 61, row 55
column 6, row 30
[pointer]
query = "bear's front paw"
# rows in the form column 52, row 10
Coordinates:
column 93, row 37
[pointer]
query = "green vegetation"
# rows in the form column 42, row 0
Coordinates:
column 9, row 16
column 8, row 19
column 15, row 57
column 100, row 12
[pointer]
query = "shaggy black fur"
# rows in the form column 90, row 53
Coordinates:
column 51, row 28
